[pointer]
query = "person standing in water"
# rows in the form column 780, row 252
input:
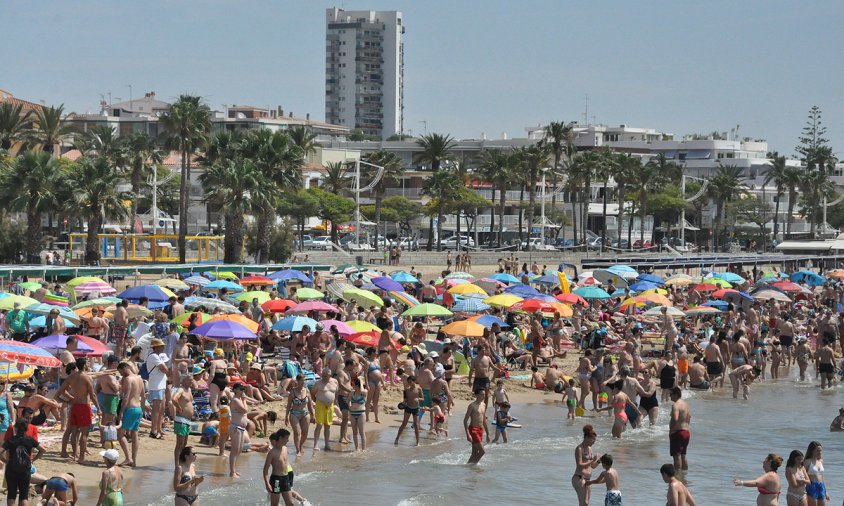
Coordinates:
column 584, row 462
column 795, row 475
column 277, row 473
column 185, row 479
column 475, row 425
column 678, row 429
column 678, row 493
column 610, row 477
column 111, row 484
column 768, row 485
column 816, row 489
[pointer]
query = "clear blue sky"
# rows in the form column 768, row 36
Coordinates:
column 486, row 66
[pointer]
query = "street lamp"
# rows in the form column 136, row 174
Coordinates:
column 690, row 199
column 358, row 191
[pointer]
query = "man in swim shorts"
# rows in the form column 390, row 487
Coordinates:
column 108, row 387
column 678, row 429
column 80, row 389
column 182, row 401
column 475, row 425
column 132, row 397
column 324, row 392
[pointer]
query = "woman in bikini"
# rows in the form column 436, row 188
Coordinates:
column 768, row 485
column 219, row 378
column 300, row 413
column 584, row 374
column 795, row 475
column 584, row 462
column 648, row 403
column 618, row 403
column 816, row 489
column 357, row 411
column 185, row 479
column 238, row 426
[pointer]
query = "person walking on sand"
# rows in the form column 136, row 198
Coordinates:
column 324, row 392
column 609, row 477
column 80, row 389
column 475, row 425
column 678, row 429
column 277, row 473
column 768, row 485
column 111, row 483
column 678, row 493
column 132, row 398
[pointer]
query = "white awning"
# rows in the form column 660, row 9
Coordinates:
column 809, row 245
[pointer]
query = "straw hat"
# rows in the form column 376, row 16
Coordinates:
column 156, row 342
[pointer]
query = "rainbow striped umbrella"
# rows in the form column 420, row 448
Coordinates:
column 404, row 298
column 23, row 353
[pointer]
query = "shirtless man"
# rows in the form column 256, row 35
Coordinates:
column 107, row 388
column 334, row 356
column 678, row 429
column 132, row 398
column 837, row 424
column 714, row 362
column 475, row 425
column 66, row 357
column 121, row 327
column 80, row 389
column 480, row 372
column 182, row 401
column 58, row 326
column 743, row 376
column 344, row 390
column 786, row 336
column 425, row 378
column 324, row 392
column 37, row 403
column 678, row 494
column 698, row 379
column 553, row 376
column 825, row 360
column 277, row 474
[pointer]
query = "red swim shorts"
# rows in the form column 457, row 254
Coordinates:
column 679, row 441
column 80, row 415
column 477, row 434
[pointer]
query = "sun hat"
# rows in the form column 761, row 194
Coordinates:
column 197, row 370
column 111, row 455
column 218, row 352
column 156, row 342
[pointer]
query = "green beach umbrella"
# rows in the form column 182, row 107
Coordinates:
column 427, row 310
column 30, row 285
column 261, row 295
column 363, row 297
column 183, row 318
column 308, row 294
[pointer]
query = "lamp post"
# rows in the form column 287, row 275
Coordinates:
column 358, row 191
column 542, row 210
column 690, row 199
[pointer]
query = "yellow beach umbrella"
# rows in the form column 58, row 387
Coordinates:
column 502, row 300
column 83, row 279
column 362, row 326
column 262, row 296
column 172, row 284
column 8, row 303
column 466, row 288
column 719, row 282
column 660, row 291
column 655, row 298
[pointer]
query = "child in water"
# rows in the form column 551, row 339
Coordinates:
column 439, row 417
column 502, row 418
column 499, row 395
column 570, row 399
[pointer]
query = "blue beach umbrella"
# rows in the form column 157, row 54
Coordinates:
column 523, row 291
column 651, row 278
column 403, row 277
column 222, row 283
column 387, row 284
column 294, row 323
column 290, row 274
column 718, row 304
column 591, row 292
column 157, row 297
column 641, row 286
column 487, row 320
column 470, row 306
column 730, row 277
column 505, row 278
column 809, row 277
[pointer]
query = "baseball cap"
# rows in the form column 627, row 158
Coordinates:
column 111, row 455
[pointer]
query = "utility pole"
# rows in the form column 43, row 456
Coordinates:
column 131, row 105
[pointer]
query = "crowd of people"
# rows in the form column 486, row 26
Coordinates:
column 161, row 378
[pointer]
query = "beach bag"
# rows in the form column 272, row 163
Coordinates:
column 144, row 372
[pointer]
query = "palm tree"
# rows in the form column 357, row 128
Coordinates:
column 238, row 187
column 581, row 172
column 279, row 160
column 92, row 183
column 392, row 172
column 305, row 139
column 336, row 178
column 496, row 168
column 816, row 188
column 777, row 174
column 725, row 186
column 440, row 187
column 186, row 126
column 436, row 149
column 627, row 167
column 605, row 167
column 26, row 184
column 559, row 138
column 792, row 177
column 14, row 124
column 50, row 128
column 144, row 156
column 531, row 159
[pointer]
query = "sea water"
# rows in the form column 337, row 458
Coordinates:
column 729, row 438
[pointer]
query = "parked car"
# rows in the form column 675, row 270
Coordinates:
column 465, row 241
column 409, row 244
column 536, row 244
column 561, row 243
column 638, row 244
column 322, row 242
column 622, row 244
column 307, row 242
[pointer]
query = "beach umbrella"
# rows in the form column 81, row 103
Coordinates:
column 85, row 313
column 679, row 280
column 197, row 281
column 571, row 298
column 133, row 310
column 363, row 297
column 224, row 275
column 532, row 306
column 625, row 271
column 505, row 278
column 237, row 318
column 460, row 275
column 702, row 310
column 641, row 286
column 98, row 349
column 93, row 287
column 311, row 305
column 308, row 294
column 335, row 289
column 671, row 311
column 257, row 281
column 45, row 309
column 387, row 284
column 209, row 304
column 632, row 301
column 367, row 339
column 469, row 306
column 808, row 277
column 8, row 303
column 837, row 274
column 660, row 291
column 295, row 323
column 591, row 292
column 427, row 310
column 784, row 285
column 721, row 283
column 291, row 275
column 466, row 328
column 608, row 276
column 224, row 330
column 84, row 279
column 730, row 277
column 523, row 291
column 261, row 295
column 464, row 289
column 342, row 327
column 564, row 309
column 156, row 295
column 586, row 278
column 718, row 304
column 403, row 277
column 487, row 320
column 184, row 317
column 28, row 354
column 650, row 278
column 348, row 269
column 172, row 284
column 548, row 279
column 705, row 287
column 405, row 298
column 40, row 322
column 771, row 294
column 544, row 297
column 277, row 305
column 619, row 292
column 30, row 285
column 223, row 283
column 489, row 285
column 362, row 326
column 720, row 294
column 502, row 300
column 737, row 297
